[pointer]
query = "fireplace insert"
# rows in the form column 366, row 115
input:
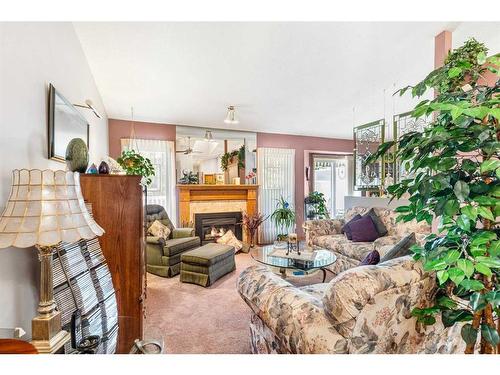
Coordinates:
column 210, row 226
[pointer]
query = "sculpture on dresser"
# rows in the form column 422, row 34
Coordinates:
column 44, row 209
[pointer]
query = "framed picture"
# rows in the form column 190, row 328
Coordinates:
column 65, row 122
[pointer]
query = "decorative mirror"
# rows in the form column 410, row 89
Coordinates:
column 367, row 138
column 404, row 123
column 65, row 123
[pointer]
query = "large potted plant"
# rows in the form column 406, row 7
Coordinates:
column 455, row 161
column 284, row 218
column 316, row 206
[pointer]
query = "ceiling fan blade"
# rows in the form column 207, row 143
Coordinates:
column 181, row 151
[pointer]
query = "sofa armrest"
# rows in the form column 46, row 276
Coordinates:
column 324, row 227
column 296, row 318
column 182, row 232
column 152, row 240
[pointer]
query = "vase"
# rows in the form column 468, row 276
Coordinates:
column 92, row 169
column 103, row 168
column 77, row 155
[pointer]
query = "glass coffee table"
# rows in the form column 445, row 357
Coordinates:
column 309, row 261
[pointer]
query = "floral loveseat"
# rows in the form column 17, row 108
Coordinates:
column 327, row 234
column 363, row 310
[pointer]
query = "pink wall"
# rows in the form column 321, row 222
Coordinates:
column 303, row 145
column 118, row 129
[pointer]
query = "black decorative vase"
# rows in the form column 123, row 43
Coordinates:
column 103, row 168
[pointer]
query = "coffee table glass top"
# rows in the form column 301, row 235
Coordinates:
column 307, row 260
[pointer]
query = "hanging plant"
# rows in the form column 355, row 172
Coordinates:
column 457, row 168
column 135, row 164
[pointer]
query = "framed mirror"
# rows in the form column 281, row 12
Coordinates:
column 65, row 122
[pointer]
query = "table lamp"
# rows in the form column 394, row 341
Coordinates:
column 44, row 209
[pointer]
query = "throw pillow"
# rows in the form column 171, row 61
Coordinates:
column 230, row 239
column 157, row 229
column 363, row 230
column 402, row 248
column 346, row 229
column 379, row 225
column 371, row 258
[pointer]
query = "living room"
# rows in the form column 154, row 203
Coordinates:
column 232, row 187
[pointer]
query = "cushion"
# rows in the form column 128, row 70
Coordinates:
column 379, row 225
column 347, row 227
column 157, row 229
column 371, row 259
column 230, row 239
column 179, row 245
column 363, row 230
column 208, row 254
column 402, row 248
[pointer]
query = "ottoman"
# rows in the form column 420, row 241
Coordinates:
column 206, row 264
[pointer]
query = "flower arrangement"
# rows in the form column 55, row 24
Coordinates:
column 251, row 223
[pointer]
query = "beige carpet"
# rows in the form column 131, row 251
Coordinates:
column 193, row 319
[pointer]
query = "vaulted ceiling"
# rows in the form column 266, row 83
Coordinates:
column 296, row 78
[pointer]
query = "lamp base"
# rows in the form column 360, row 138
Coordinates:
column 47, row 336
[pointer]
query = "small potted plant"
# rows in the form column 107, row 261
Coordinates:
column 284, row 219
column 316, row 206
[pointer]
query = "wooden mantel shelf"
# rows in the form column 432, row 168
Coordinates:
column 204, row 193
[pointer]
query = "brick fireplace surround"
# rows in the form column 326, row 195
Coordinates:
column 194, row 199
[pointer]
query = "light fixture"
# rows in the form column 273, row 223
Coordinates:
column 44, row 209
column 89, row 105
column 208, row 136
column 231, row 116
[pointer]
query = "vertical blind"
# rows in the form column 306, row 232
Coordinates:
column 276, row 177
column 162, row 155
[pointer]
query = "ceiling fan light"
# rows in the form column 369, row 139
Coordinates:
column 231, row 116
column 208, row 136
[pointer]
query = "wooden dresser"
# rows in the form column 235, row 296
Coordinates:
column 118, row 207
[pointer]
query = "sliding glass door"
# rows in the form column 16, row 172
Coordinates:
column 330, row 177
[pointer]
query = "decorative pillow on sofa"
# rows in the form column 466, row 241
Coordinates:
column 230, row 239
column 379, row 225
column 363, row 230
column 402, row 248
column 371, row 258
column 346, row 229
column 157, row 229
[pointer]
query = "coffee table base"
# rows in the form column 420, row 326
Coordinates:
column 284, row 275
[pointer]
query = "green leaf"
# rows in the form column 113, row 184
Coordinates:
column 450, row 317
column 481, row 268
column 451, row 256
column 456, row 275
column 490, row 334
column 451, row 207
column 493, row 297
column 494, row 249
column 446, row 302
column 495, row 112
column 434, row 265
column 485, row 212
column 467, row 266
column 454, row 72
column 489, row 165
column 477, row 301
column 470, row 212
column 463, row 223
column 481, row 58
column 489, row 262
column 487, row 201
column 442, row 276
column 402, row 209
column 461, row 190
column 472, row 284
column 468, row 333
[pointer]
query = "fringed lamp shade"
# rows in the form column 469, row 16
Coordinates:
column 45, row 208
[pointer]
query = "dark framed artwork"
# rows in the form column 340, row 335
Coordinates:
column 65, row 122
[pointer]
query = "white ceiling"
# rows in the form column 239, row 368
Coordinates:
column 295, row 78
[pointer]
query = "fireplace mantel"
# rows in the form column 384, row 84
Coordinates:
column 215, row 193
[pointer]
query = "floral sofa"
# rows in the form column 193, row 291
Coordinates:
column 363, row 310
column 327, row 234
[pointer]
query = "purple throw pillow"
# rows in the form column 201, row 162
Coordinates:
column 371, row 258
column 363, row 230
column 346, row 229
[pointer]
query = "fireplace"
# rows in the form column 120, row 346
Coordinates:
column 208, row 224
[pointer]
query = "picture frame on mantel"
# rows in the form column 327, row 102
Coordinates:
column 65, row 122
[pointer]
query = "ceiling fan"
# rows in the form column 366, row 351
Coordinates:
column 189, row 150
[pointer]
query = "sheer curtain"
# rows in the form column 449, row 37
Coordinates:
column 276, row 178
column 162, row 156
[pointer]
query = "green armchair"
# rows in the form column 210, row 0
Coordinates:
column 163, row 257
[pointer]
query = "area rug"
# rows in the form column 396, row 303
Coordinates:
column 192, row 319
